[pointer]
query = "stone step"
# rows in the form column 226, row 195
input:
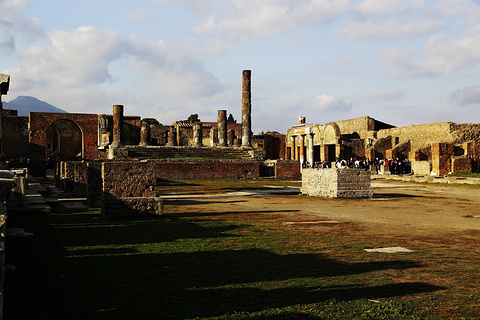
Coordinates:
column 186, row 152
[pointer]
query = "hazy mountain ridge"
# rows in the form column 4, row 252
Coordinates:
column 27, row 104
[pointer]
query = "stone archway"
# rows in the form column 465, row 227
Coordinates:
column 44, row 127
column 66, row 140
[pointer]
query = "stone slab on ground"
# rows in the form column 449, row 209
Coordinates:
column 389, row 250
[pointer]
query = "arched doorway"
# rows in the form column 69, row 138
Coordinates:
column 64, row 140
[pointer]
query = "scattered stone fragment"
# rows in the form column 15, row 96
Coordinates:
column 389, row 250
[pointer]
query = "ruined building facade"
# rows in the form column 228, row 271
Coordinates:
column 441, row 147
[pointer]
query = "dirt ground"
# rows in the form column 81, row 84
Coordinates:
column 396, row 208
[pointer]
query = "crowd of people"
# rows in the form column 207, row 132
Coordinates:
column 20, row 162
column 395, row 166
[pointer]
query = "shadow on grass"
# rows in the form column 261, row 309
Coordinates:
column 208, row 214
column 191, row 202
column 176, row 280
column 378, row 195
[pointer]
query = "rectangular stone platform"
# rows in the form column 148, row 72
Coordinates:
column 336, row 183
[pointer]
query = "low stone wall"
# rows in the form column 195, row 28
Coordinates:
column 207, row 170
column 336, row 183
column 123, row 179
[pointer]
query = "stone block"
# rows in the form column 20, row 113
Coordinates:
column 336, row 183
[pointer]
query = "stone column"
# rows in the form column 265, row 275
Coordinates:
column 246, row 110
column 213, row 137
column 197, row 134
column 222, row 128
column 302, row 148
column 231, row 137
column 103, row 131
column 4, row 86
column 310, row 146
column 171, row 137
column 292, row 148
column 117, row 125
column 145, row 134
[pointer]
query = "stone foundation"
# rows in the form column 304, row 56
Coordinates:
column 336, row 183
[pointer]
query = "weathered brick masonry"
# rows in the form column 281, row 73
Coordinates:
column 287, row 170
column 205, row 170
column 336, row 183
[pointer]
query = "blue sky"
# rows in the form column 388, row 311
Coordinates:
column 402, row 62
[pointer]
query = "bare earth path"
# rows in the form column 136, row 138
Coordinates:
column 397, row 207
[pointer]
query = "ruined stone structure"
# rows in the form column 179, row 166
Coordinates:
column 4, row 86
column 445, row 146
column 336, row 183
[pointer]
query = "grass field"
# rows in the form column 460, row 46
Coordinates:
column 79, row 266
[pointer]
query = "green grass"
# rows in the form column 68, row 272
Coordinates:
column 79, row 266
column 466, row 174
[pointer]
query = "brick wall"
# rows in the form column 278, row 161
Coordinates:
column 336, row 183
column 441, row 161
column 462, row 165
column 201, row 170
column 287, row 170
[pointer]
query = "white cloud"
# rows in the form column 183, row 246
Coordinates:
column 389, row 29
column 375, row 7
column 14, row 24
column 389, row 95
column 73, row 59
column 441, row 54
column 466, row 96
column 249, row 20
column 141, row 16
column 330, row 103
column 465, row 11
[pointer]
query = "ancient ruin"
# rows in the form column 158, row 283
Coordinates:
column 436, row 148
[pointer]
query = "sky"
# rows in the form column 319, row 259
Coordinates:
column 402, row 62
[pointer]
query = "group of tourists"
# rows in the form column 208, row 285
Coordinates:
column 20, row 162
column 395, row 166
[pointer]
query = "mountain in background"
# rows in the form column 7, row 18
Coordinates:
column 26, row 104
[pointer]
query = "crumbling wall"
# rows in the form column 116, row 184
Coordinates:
column 15, row 137
column 129, row 178
column 336, row 183
column 129, row 189
column 421, row 136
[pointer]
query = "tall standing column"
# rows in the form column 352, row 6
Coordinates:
column 222, row 128
column 292, row 148
column 246, row 110
column 144, row 134
column 311, row 155
column 117, row 125
column 302, row 148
